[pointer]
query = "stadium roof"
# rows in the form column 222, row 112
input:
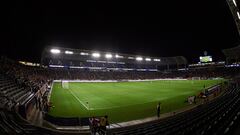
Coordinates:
column 52, row 52
column 232, row 53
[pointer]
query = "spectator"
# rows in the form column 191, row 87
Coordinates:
column 103, row 125
column 94, row 125
column 158, row 109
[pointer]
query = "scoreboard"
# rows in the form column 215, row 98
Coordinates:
column 205, row 59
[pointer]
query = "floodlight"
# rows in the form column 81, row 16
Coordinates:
column 118, row 56
column 238, row 15
column 68, row 52
column 210, row 59
column 83, row 53
column 108, row 56
column 156, row 60
column 55, row 51
column 148, row 59
column 131, row 58
column 234, row 2
column 96, row 55
column 139, row 58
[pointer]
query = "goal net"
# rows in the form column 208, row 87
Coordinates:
column 65, row 84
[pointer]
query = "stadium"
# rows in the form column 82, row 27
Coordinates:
column 77, row 91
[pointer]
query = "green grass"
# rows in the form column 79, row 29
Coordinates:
column 123, row 101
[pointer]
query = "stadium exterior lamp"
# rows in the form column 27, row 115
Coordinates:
column 139, row 58
column 68, row 52
column 96, row 55
column 55, row 51
column 148, row 59
column 108, row 56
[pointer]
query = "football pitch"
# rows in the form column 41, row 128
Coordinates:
column 123, row 101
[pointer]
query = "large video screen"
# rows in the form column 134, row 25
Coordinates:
column 205, row 58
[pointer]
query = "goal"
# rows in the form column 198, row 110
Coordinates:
column 65, row 84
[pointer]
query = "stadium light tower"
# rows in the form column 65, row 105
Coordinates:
column 139, row 58
column 55, row 51
column 108, row 56
column 148, row 59
column 68, row 52
column 96, row 55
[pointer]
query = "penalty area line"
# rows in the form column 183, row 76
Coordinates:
column 79, row 100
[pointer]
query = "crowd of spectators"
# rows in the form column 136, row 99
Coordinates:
column 24, row 75
column 36, row 77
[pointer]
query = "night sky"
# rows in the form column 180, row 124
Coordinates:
column 161, row 28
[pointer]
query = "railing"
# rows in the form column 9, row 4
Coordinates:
column 74, row 121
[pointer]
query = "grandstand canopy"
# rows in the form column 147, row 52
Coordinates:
column 232, row 54
column 67, row 57
column 234, row 7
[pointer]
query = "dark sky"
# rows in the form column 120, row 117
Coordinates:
column 161, row 28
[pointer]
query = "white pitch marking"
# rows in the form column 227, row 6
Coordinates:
column 79, row 100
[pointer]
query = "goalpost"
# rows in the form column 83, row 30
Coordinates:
column 65, row 84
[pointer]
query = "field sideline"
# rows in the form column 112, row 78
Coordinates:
column 123, row 101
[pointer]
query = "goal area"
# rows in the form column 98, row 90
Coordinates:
column 65, row 84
